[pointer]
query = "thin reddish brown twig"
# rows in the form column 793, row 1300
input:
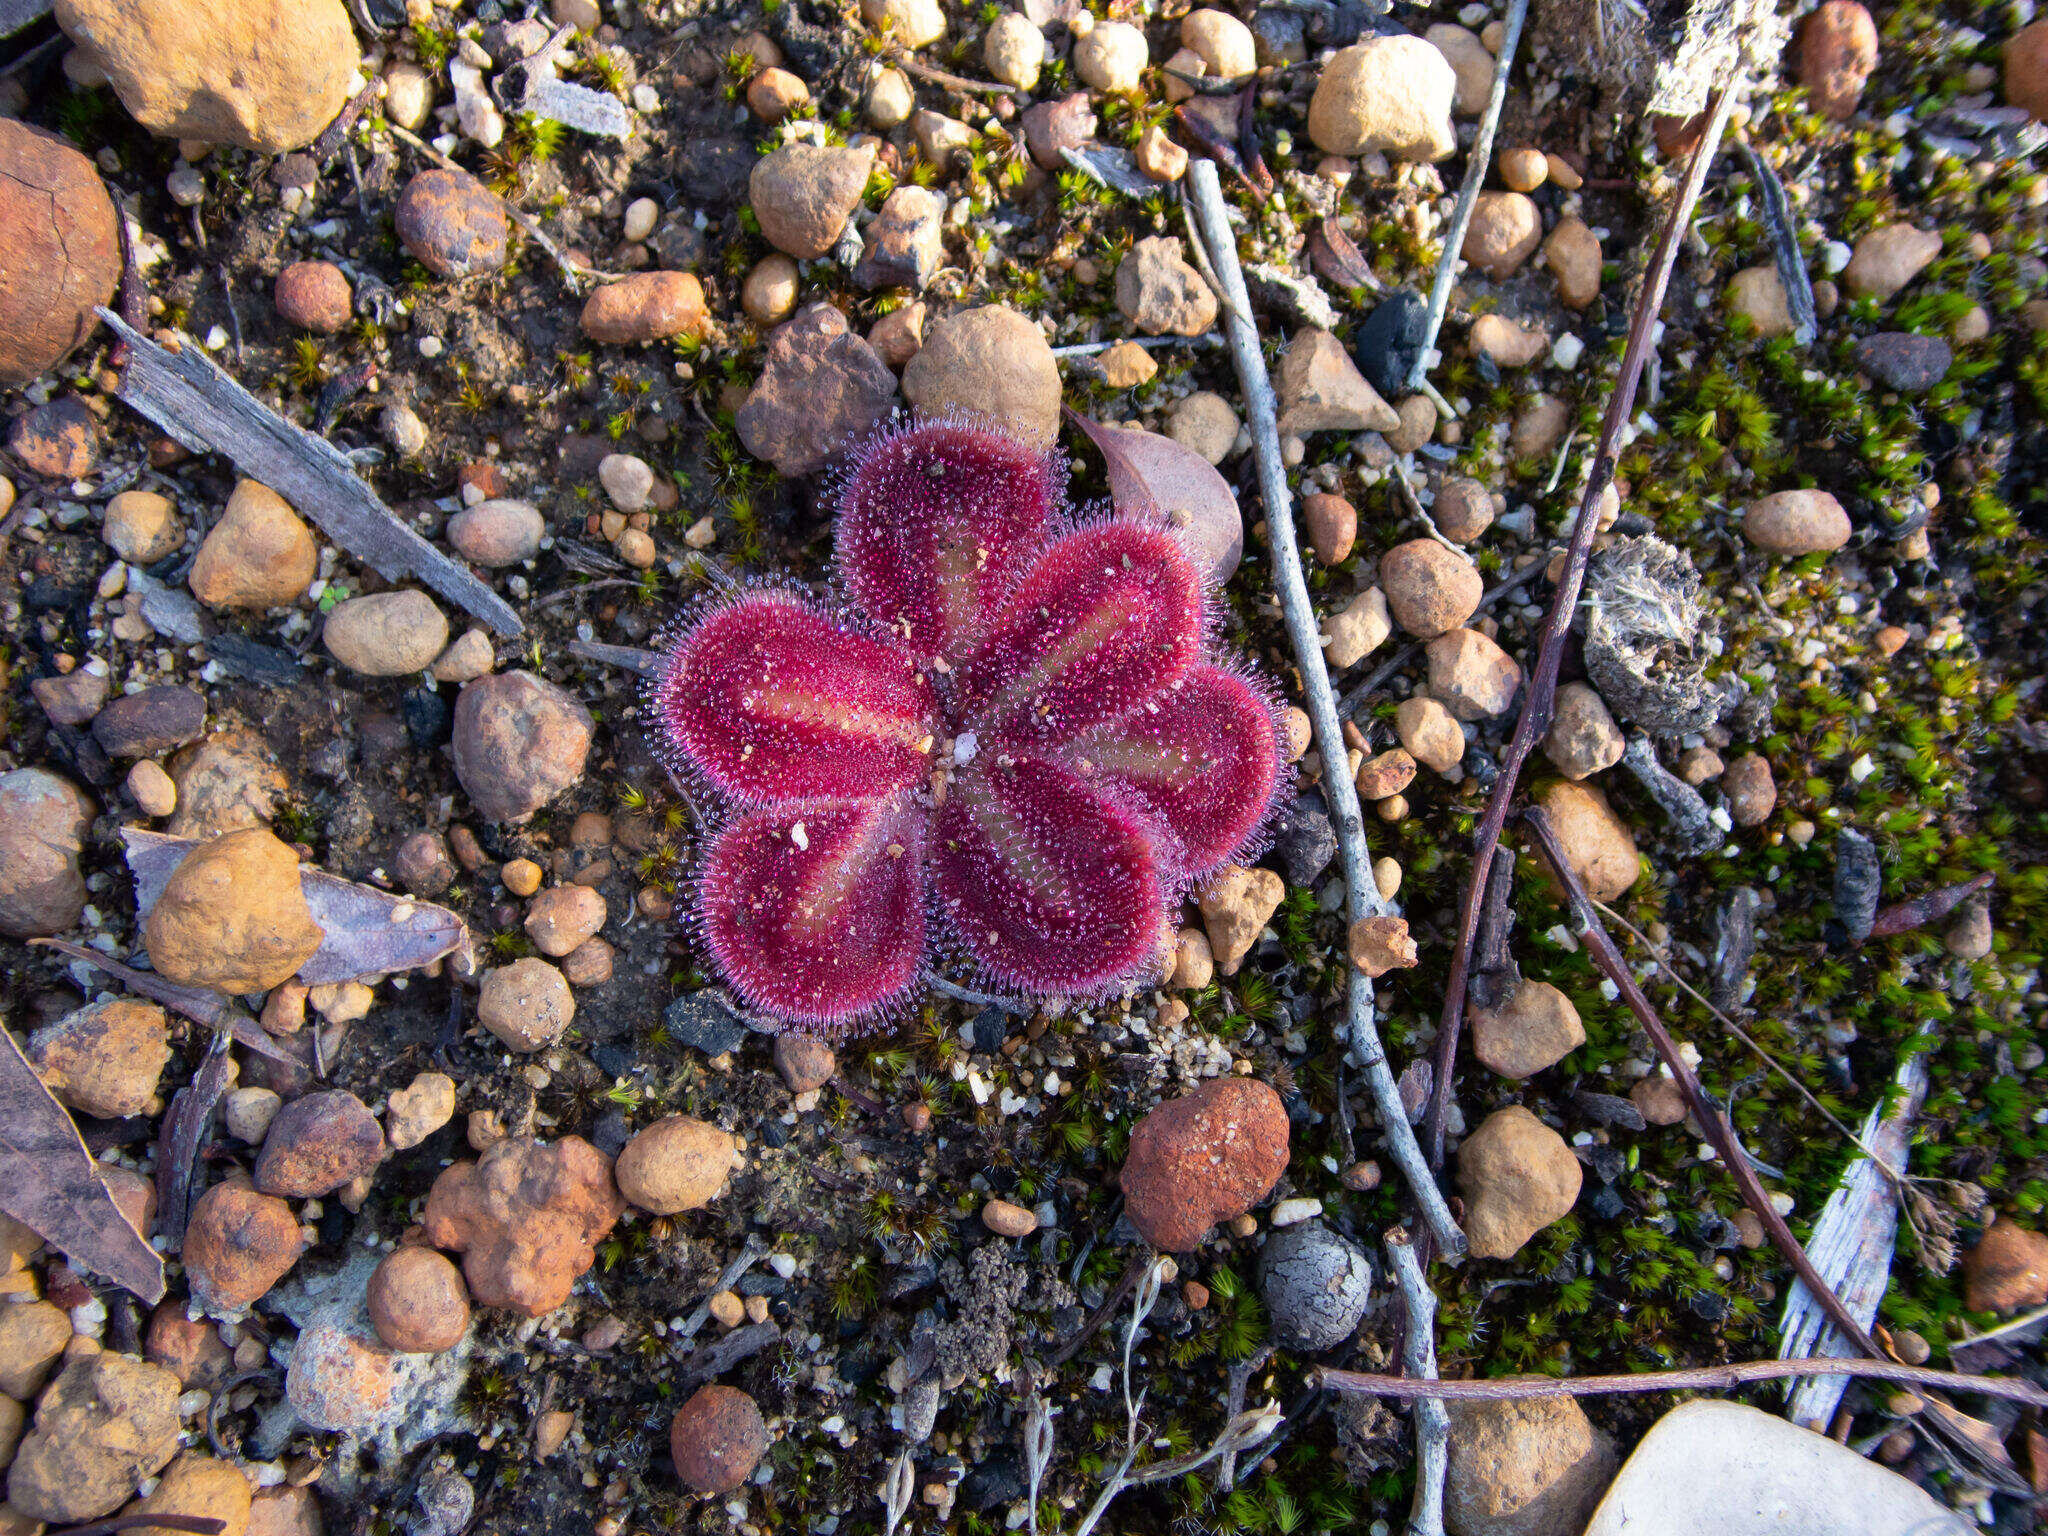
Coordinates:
column 1704, row 1378
column 1608, row 961
column 1536, row 712
column 1919, row 911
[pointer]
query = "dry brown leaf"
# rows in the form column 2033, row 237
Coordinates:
column 1155, row 478
column 50, row 1184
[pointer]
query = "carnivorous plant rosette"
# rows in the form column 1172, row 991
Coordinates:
column 1014, row 747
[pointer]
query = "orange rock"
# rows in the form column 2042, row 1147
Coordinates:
column 1206, row 1157
column 526, row 1218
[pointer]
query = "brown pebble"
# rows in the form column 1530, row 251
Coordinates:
column 314, row 296
column 805, row 1061
column 717, row 1438
column 317, row 1144
column 238, row 1244
column 645, row 307
column 418, row 1303
column 1332, row 525
column 1007, row 1220
column 451, row 223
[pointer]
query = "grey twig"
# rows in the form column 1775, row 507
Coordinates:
column 1476, row 162
column 1418, row 1361
column 1690, row 819
column 1298, row 612
column 1784, row 245
column 1149, row 343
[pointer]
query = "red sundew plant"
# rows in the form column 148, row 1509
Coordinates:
column 1012, row 748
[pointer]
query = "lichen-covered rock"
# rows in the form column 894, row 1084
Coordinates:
column 107, row 1422
column 1205, row 1157
column 1316, row 1283
column 104, row 1059
column 526, row 1218
column 341, row 1379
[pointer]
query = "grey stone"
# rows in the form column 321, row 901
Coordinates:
column 699, row 1019
column 1316, row 1284
column 1304, row 840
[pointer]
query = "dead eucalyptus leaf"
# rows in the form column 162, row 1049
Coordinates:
column 1156, row 478
column 369, row 932
column 50, row 1184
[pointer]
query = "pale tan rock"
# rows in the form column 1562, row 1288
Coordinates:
column 1160, row 292
column 1237, row 903
column 1222, row 42
column 1573, row 254
column 259, row 555
column 913, row 23
column 526, row 1004
column 992, row 360
column 1505, row 230
column 1388, row 94
column 1517, row 1176
column 1194, row 963
column 1597, row 843
column 1475, row 678
column 1583, row 738
column 1386, row 773
column 416, row 1111
column 1357, row 630
column 1321, row 390
column 562, row 917
column 1887, row 259
column 266, row 75
column 676, row 1164
column 1378, row 945
column 386, row 634
column 769, row 293
column 152, row 790
column 1430, row 590
column 803, row 194
column 142, row 527
column 32, row 1339
column 1509, row 343
column 1539, row 427
column 1523, row 168
column 1537, row 1027
column 1112, row 57
column 1470, row 62
column 1430, row 733
column 1758, row 295
column 1463, row 510
column 1014, row 51
column 1205, row 422
column 1127, row 365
